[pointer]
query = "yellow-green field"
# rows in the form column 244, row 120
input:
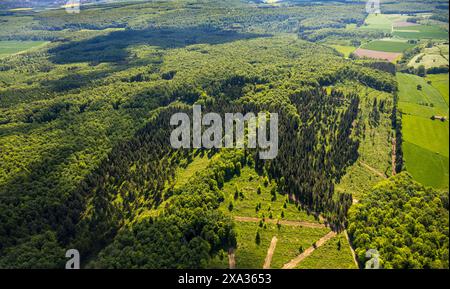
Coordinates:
column 424, row 101
column 421, row 32
column 378, row 22
column 13, row 47
column 345, row 50
column 387, row 45
column 440, row 82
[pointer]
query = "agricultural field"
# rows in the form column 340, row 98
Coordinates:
column 424, row 101
column 365, row 53
column 378, row 22
column 386, row 22
column 421, row 32
column 440, row 82
column 12, row 47
column 387, row 46
column 426, row 141
column 427, row 167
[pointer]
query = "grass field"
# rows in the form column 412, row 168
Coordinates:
column 330, row 256
column 13, row 47
column 440, row 82
column 387, row 46
column 378, row 22
column 426, row 166
column 346, row 50
column 425, row 141
column 421, row 32
column 426, row 133
column 425, row 102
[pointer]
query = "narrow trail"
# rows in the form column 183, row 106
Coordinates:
column 231, row 259
column 294, row 262
column 351, row 248
column 373, row 170
column 282, row 222
column 270, row 251
column 394, row 153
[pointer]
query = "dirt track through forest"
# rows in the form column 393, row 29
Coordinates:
column 282, row 222
column 351, row 248
column 231, row 259
column 394, row 160
column 373, row 170
column 272, row 247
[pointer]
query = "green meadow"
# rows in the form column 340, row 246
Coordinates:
column 425, row 102
column 421, row 32
column 13, row 47
column 427, row 167
column 378, row 22
column 440, row 82
column 387, row 46
column 425, row 141
column 426, row 133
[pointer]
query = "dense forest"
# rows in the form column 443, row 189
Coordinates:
column 86, row 161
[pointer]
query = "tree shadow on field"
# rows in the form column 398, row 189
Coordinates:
column 113, row 47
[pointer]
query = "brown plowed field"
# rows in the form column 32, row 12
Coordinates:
column 389, row 56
